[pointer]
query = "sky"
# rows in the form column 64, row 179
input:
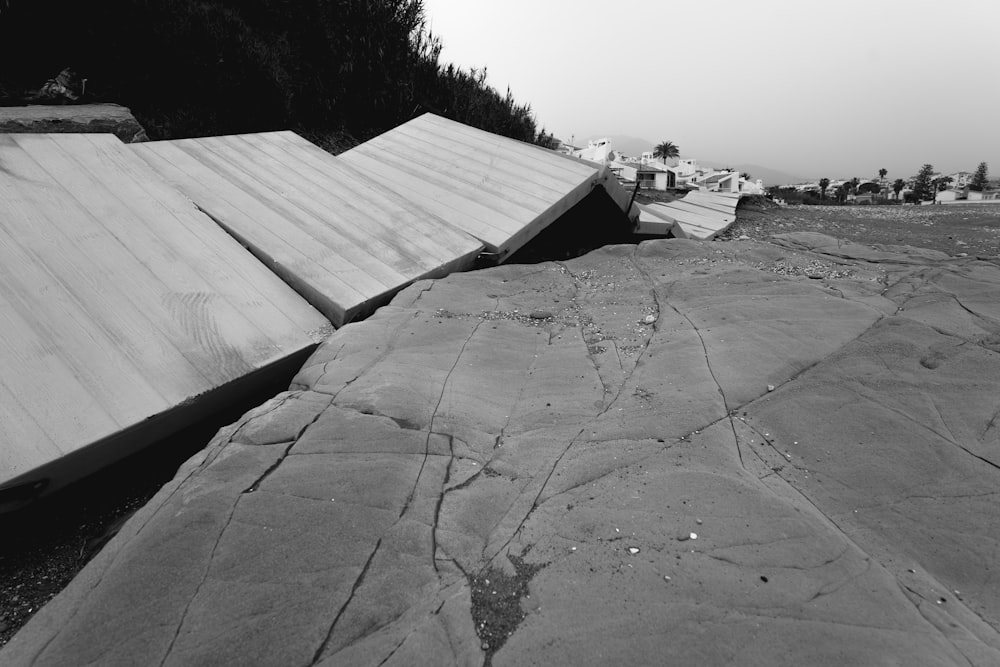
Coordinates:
column 836, row 89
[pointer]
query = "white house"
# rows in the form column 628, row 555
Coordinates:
column 951, row 195
column 655, row 177
column 965, row 195
column 597, row 150
column 960, row 179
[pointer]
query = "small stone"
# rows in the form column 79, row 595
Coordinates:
column 485, row 646
column 666, row 577
column 633, row 550
column 694, row 536
column 540, row 315
column 770, row 387
column 698, row 521
column 649, row 319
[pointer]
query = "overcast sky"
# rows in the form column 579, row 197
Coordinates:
column 836, row 89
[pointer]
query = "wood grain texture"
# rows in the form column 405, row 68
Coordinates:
column 698, row 215
column 120, row 303
column 339, row 237
column 499, row 190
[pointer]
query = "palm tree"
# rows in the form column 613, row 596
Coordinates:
column 666, row 150
column 824, row 183
column 881, row 174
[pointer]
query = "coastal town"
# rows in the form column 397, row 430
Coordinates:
column 663, row 169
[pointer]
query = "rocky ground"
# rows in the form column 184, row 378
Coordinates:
column 957, row 229
column 42, row 548
column 47, row 548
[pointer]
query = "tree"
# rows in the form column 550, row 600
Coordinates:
column 881, row 174
column 897, row 187
column 853, row 184
column 330, row 69
column 841, row 192
column 979, row 179
column 546, row 140
column 923, row 185
column 824, row 183
column 666, row 150
column 943, row 183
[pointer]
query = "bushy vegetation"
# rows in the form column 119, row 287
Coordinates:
column 336, row 70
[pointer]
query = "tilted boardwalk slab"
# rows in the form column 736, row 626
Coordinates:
column 126, row 313
column 499, row 190
column 584, row 463
column 341, row 239
column 698, row 215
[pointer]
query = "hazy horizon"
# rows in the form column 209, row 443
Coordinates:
column 810, row 89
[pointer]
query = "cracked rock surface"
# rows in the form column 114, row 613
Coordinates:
column 682, row 452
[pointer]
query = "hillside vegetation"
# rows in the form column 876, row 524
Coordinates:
column 337, row 71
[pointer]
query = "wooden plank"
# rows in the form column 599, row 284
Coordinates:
column 296, row 228
column 136, row 252
column 58, row 234
column 298, row 265
column 332, row 233
column 432, row 239
column 232, row 271
column 116, row 310
column 293, row 180
column 501, row 191
column 347, row 236
column 681, row 215
column 465, row 156
column 394, row 212
column 723, row 210
column 653, row 222
column 440, row 178
column 481, row 221
column 527, row 156
column 702, row 211
column 453, row 173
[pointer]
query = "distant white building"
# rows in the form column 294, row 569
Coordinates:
column 597, row 150
column 960, row 179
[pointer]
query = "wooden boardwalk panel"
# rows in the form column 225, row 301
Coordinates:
column 121, row 308
column 698, row 215
column 499, row 190
column 337, row 236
